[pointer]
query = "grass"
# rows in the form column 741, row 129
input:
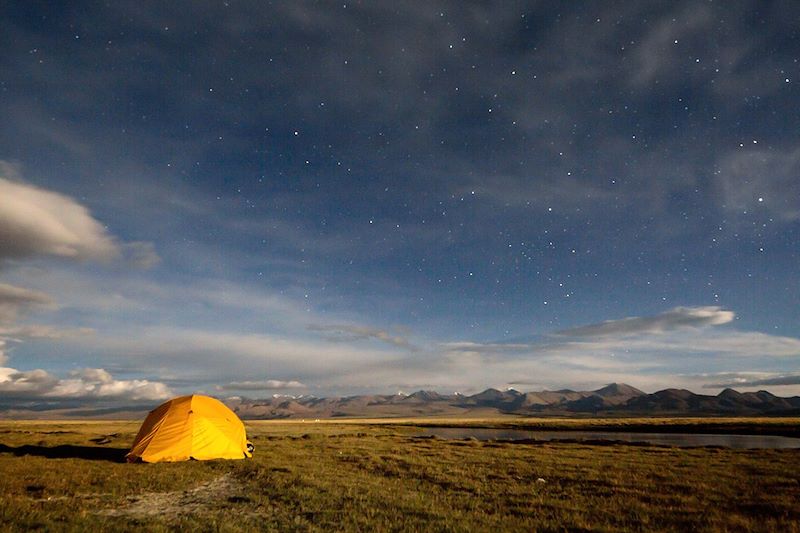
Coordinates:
column 784, row 426
column 356, row 476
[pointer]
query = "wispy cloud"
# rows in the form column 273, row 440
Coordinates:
column 757, row 181
column 681, row 344
column 141, row 254
column 43, row 331
column 265, row 385
column 16, row 301
column 465, row 346
column 658, row 55
column 350, row 333
column 676, row 318
column 20, row 333
column 747, row 380
column 194, row 353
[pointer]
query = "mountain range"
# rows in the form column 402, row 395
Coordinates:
column 616, row 399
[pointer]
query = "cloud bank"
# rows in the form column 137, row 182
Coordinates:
column 88, row 383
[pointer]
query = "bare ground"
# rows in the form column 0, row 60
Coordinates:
column 218, row 493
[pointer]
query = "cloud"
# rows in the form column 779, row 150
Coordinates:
column 141, row 254
column 87, row 383
column 761, row 180
column 33, row 382
column 269, row 384
column 43, row 331
column 36, row 331
column 676, row 318
column 745, row 344
column 35, row 221
column 458, row 346
column 679, row 336
column 747, row 380
column 349, row 333
column 3, row 356
column 473, row 351
column 679, row 343
column 658, row 56
column 194, row 354
column 655, row 356
column 15, row 301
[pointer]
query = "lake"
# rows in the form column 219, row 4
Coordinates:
column 664, row 439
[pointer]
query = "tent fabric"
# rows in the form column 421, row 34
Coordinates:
column 190, row 427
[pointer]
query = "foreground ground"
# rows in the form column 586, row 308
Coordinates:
column 355, row 476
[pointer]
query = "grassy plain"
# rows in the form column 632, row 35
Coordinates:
column 352, row 475
column 784, row 426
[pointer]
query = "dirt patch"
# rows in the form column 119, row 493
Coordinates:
column 219, row 493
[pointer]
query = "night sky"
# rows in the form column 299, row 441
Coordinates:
column 249, row 198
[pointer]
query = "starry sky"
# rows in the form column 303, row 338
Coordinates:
column 251, row 198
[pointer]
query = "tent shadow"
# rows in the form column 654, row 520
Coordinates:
column 68, row 451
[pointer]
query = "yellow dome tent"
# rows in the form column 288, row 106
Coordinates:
column 190, row 427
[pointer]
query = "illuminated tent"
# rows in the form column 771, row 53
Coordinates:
column 190, row 427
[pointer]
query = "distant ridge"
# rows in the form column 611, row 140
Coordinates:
column 612, row 400
column 615, row 399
